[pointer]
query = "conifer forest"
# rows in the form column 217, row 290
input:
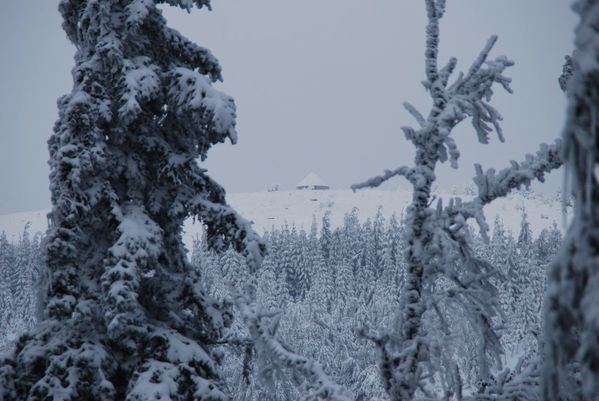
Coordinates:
column 437, row 302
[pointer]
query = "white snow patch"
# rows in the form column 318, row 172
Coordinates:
column 275, row 209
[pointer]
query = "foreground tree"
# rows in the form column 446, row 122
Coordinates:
column 126, row 315
column 443, row 276
column 572, row 306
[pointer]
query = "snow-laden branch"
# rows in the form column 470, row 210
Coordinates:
column 571, row 309
column 468, row 96
column 387, row 175
column 492, row 185
column 141, row 83
column 415, row 113
column 208, row 111
column 186, row 4
column 386, row 364
column 482, row 57
column 433, row 13
column 262, row 326
column 520, row 383
column 226, row 226
column 567, row 71
column 191, row 54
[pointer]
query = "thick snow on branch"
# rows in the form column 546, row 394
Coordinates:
column 388, row 174
column 520, row 383
column 134, row 253
column 434, row 13
column 192, row 55
column 262, row 327
column 193, row 97
column 138, row 11
column 186, row 4
column 157, row 380
column 492, row 185
column 142, row 84
column 572, row 306
column 224, row 223
column 567, row 71
column 415, row 113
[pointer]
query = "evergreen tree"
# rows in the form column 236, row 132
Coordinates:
column 548, row 243
column 22, row 279
column 391, row 278
column 522, row 274
column 541, row 247
column 392, row 252
column 344, row 283
column 302, row 267
column 233, row 268
column 325, row 235
column 38, row 277
column 500, row 246
column 311, row 255
column 293, row 264
column 323, row 322
column 572, row 318
column 323, row 287
column 7, row 277
column 438, row 246
column 378, row 237
column 367, row 260
column 525, row 236
column 513, row 272
column 270, row 291
column 126, row 317
column 313, row 230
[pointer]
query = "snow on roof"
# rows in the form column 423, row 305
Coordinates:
column 312, row 180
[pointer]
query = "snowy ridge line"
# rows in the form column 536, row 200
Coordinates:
column 276, row 209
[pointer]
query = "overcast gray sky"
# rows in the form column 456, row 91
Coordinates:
column 318, row 85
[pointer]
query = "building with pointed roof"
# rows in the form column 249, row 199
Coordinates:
column 312, row 181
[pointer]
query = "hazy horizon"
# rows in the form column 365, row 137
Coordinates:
column 319, row 86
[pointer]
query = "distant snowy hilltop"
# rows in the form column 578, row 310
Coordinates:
column 300, row 207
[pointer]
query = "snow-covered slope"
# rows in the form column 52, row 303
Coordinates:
column 274, row 209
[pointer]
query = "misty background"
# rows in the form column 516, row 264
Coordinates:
column 319, row 86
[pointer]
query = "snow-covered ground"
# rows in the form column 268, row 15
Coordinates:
column 268, row 209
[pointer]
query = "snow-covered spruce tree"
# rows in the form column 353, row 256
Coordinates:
column 307, row 374
column 572, row 305
column 126, row 318
column 325, row 235
column 438, row 254
column 548, row 242
column 7, row 277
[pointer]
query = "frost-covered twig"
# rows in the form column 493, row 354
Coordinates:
column 415, row 113
column 387, row 175
column 262, row 328
column 493, row 185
